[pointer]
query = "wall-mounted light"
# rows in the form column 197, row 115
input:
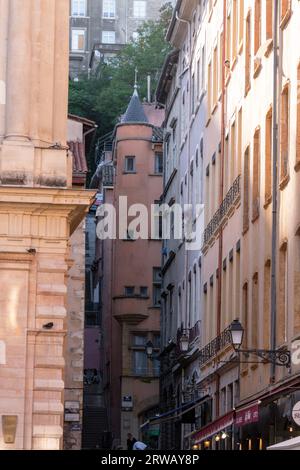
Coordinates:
column 9, row 428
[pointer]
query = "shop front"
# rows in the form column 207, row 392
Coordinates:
column 218, row 435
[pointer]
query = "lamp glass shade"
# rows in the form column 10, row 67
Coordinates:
column 149, row 348
column 184, row 343
column 237, row 334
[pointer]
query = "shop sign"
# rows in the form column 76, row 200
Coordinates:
column 247, row 416
column 296, row 413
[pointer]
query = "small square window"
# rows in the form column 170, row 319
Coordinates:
column 109, row 9
column 79, row 8
column 108, row 37
column 129, row 291
column 130, row 164
column 143, row 291
column 78, row 40
column 139, row 9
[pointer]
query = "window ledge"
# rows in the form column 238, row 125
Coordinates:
column 257, row 66
column 268, row 200
column 284, row 182
column 234, row 62
column 285, row 19
column 255, row 217
column 241, row 46
column 247, row 89
column 129, row 172
column 268, row 47
column 245, row 230
column 156, row 174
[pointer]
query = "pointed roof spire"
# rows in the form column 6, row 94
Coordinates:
column 135, row 111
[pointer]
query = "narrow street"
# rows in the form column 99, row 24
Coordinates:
column 149, row 228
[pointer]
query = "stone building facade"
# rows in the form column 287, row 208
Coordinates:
column 130, row 276
column 250, row 103
column 39, row 211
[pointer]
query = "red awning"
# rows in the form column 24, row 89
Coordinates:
column 216, row 426
column 247, row 415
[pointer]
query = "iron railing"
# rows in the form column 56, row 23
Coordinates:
column 231, row 198
column 215, row 346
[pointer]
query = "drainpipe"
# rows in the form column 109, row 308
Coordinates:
column 274, row 188
column 221, row 190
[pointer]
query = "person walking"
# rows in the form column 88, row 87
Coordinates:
column 130, row 441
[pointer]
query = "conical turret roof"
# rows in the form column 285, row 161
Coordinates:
column 135, row 112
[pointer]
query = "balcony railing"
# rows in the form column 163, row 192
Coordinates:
column 215, row 346
column 231, row 198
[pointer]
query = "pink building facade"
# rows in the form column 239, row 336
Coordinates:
column 130, row 276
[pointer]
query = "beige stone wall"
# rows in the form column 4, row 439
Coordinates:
column 75, row 336
column 37, row 216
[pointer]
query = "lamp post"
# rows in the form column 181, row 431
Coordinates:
column 184, row 342
column 279, row 357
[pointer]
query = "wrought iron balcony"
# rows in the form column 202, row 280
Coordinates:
column 215, row 346
column 231, row 199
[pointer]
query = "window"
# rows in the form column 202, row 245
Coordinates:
column 130, row 164
column 209, row 91
column 108, row 37
column 241, row 21
column 245, row 312
column 268, row 158
column 234, row 28
column 257, row 26
column 78, row 39
column 156, row 287
column 246, row 191
column 248, row 54
column 228, row 45
column 284, row 134
column 269, row 19
column 139, row 9
column 109, row 9
column 129, row 291
column 256, row 175
column 158, row 169
column 285, row 8
column 255, row 312
column 282, row 295
column 140, row 359
column 78, row 7
column 267, row 304
column 143, row 291
column 141, row 364
column 215, row 77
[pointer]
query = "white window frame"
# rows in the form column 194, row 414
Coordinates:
column 75, row 37
column 139, row 9
column 108, row 37
column 109, row 9
column 76, row 10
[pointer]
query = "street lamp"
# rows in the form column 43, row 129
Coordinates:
column 149, row 348
column 237, row 334
column 279, row 357
column 184, row 342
